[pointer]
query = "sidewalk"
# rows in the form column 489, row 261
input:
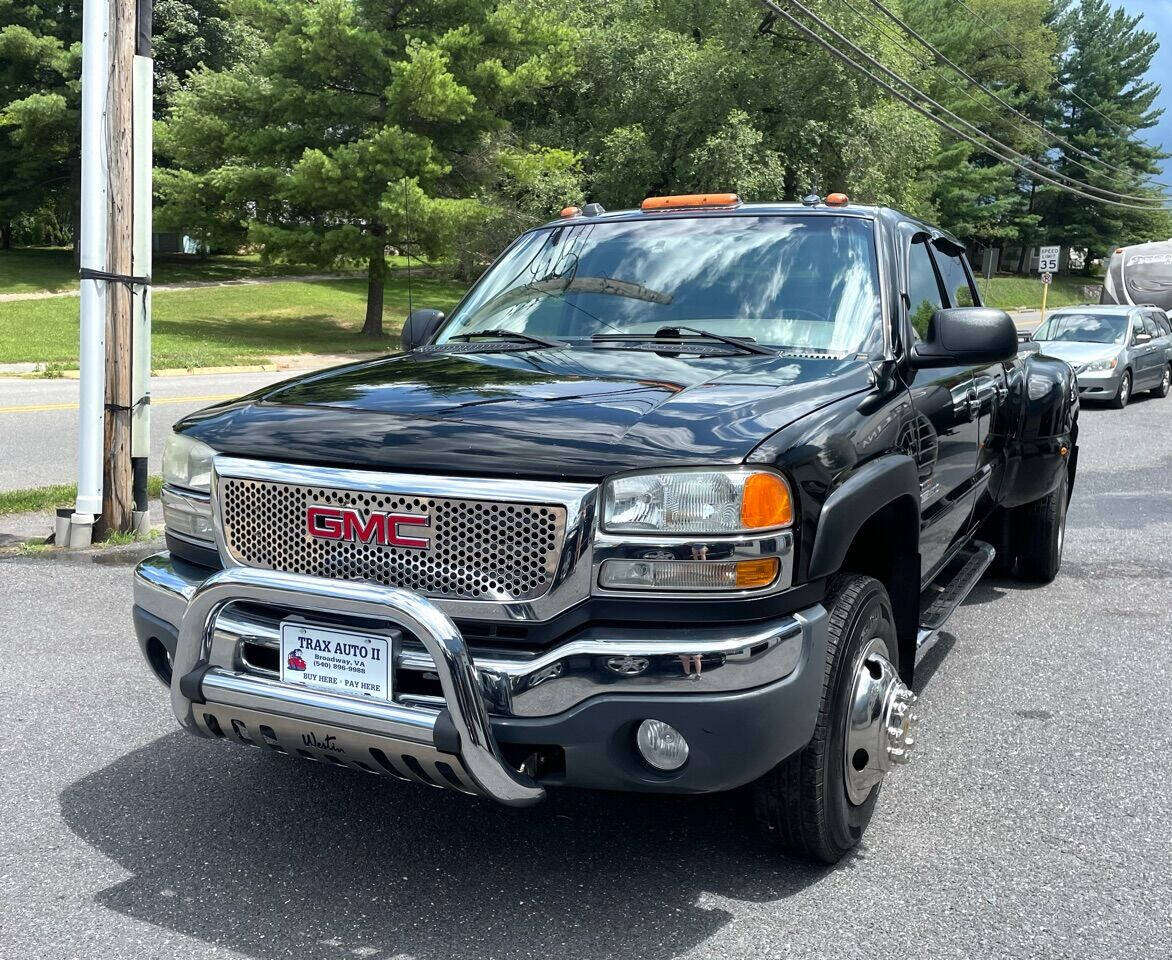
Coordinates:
column 20, row 528
column 279, row 362
column 192, row 285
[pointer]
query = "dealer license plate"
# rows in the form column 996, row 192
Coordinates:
column 340, row 661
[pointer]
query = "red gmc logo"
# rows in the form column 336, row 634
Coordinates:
column 347, row 523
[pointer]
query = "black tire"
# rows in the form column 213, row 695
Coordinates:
column 998, row 531
column 1163, row 388
column 1123, row 394
column 1041, row 532
column 802, row 803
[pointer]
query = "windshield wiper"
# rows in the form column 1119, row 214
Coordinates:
column 695, row 333
column 516, row 335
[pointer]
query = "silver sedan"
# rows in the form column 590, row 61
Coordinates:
column 1115, row 350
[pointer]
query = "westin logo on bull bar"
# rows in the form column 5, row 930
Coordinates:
column 348, row 523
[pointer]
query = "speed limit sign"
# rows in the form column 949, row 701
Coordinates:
column 1048, row 259
column 1047, row 278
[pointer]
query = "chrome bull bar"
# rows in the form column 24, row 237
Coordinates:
column 452, row 747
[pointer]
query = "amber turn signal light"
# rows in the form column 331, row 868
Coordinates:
column 756, row 573
column 690, row 200
column 766, row 502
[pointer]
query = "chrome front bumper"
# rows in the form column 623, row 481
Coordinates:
column 442, row 735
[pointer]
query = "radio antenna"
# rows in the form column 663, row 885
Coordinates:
column 407, row 245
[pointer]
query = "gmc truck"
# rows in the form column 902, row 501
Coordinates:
column 668, row 502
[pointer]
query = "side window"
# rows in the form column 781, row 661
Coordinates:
column 1150, row 327
column 923, row 288
column 1160, row 322
column 956, row 279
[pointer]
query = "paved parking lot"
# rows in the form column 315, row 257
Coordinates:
column 1036, row 822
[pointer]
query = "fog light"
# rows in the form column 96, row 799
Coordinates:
column 689, row 574
column 661, row 745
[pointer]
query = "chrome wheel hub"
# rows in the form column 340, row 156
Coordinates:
column 880, row 718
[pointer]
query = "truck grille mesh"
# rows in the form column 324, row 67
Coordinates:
column 478, row 550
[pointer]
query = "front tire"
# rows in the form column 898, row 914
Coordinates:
column 1042, row 527
column 1165, row 385
column 805, row 803
column 1119, row 401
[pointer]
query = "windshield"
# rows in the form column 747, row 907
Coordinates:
column 1084, row 328
column 794, row 283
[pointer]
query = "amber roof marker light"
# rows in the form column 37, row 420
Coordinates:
column 690, row 200
column 568, row 212
column 837, row 200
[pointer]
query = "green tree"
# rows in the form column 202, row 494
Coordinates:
column 1008, row 47
column 353, row 128
column 40, row 60
column 687, row 96
column 40, row 93
column 1105, row 103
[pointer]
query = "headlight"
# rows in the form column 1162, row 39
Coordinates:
column 687, row 501
column 187, row 463
column 1098, row 366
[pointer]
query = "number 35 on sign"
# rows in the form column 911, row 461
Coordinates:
column 1048, row 259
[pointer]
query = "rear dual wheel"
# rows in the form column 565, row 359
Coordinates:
column 818, row 802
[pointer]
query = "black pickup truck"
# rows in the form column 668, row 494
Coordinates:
column 668, row 503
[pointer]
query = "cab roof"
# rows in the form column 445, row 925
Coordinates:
column 890, row 215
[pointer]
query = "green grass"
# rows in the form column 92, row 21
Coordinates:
column 51, row 269
column 36, row 499
column 221, row 326
column 1009, row 293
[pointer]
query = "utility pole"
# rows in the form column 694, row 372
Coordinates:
column 117, row 492
column 115, row 266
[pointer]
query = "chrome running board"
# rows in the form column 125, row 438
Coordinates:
column 939, row 600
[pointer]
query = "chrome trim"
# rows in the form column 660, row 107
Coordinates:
column 598, row 660
column 571, row 581
column 198, row 647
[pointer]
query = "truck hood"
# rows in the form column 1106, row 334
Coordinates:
column 574, row 414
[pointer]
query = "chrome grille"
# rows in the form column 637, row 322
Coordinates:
column 478, row 549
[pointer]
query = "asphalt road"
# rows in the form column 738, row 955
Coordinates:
column 1036, row 821
column 38, row 421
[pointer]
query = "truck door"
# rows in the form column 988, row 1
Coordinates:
column 946, row 411
column 990, row 385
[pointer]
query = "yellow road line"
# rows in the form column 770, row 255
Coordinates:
column 155, row 401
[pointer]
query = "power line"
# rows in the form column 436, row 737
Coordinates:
column 942, row 58
column 886, row 31
column 904, row 98
column 1013, row 46
column 1037, row 168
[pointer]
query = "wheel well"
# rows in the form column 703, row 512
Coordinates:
column 886, row 547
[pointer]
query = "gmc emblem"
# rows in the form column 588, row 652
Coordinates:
column 347, row 523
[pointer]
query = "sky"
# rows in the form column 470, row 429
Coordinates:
column 1158, row 18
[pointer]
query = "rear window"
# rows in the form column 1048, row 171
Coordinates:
column 792, row 282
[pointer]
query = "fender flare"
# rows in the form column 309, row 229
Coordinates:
column 868, row 490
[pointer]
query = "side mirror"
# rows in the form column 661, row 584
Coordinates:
column 1143, row 338
column 419, row 327
column 966, row 336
